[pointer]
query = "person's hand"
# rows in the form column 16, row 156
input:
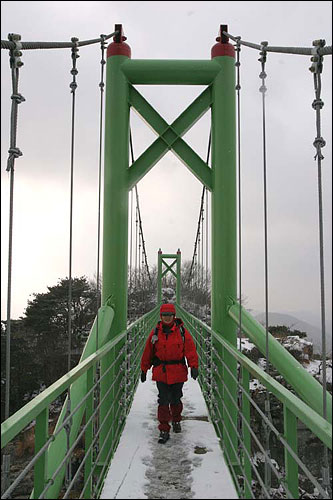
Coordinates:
column 143, row 376
column 194, row 373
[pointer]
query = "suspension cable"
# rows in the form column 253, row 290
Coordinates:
column 54, row 45
column 131, row 238
column 101, row 86
column 305, row 51
column 263, row 90
column 238, row 87
column 316, row 68
column 73, row 87
column 139, row 218
column 14, row 152
column 200, row 215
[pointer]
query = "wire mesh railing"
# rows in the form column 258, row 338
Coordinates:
column 242, row 437
column 85, row 425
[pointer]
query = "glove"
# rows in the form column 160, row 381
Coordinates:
column 194, row 373
column 143, row 376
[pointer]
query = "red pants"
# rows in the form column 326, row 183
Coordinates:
column 170, row 406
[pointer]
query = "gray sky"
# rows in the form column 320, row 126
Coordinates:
column 169, row 194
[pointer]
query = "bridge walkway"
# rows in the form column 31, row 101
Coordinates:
column 189, row 465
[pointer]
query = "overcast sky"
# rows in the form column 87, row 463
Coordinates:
column 169, row 194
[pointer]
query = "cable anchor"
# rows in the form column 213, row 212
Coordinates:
column 74, row 71
column 15, row 53
column 262, row 59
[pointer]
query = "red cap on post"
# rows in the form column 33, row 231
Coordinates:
column 118, row 47
column 223, row 47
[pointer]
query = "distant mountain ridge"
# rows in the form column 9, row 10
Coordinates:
column 313, row 332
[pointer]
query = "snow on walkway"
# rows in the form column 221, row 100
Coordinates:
column 189, row 465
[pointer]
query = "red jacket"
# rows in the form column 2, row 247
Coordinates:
column 170, row 346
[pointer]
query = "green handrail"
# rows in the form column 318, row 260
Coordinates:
column 79, row 379
column 215, row 390
column 309, row 389
column 317, row 424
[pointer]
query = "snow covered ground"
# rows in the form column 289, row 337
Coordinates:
column 189, row 465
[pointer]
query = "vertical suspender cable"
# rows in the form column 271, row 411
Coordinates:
column 316, row 69
column 14, row 152
column 202, row 244
column 240, row 425
column 207, row 226
column 131, row 240
column 101, row 86
column 73, row 86
column 263, row 89
column 238, row 87
column 136, row 247
column 207, row 287
column 194, row 258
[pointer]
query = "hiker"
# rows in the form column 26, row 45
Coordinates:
column 166, row 349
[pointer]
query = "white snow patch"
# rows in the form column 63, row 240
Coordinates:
column 189, row 465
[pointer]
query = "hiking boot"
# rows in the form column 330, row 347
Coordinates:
column 176, row 427
column 164, row 436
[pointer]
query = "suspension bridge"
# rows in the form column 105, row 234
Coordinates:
column 100, row 391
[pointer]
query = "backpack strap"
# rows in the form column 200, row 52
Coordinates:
column 155, row 336
column 182, row 332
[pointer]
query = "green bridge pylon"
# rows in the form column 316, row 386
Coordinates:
column 218, row 75
column 176, row 262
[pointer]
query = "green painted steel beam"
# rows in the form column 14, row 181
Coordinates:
column 179, row 281
column 182, row 123
column 169, row 270
column 177, row 274
column 115, row 223
column 309, row 389
column 169, row 266
column 170, row 72
column 159, row 277
column 224, row 231
column 170, row 138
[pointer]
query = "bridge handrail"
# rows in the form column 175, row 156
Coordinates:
column 38, row 408
column 317, row 424
column 20, row 419
column 308, row 388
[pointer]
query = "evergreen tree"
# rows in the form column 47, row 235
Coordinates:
column 39, row 339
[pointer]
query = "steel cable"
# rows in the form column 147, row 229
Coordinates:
column 263, row 90
column 305, row 51
column 101, row 86
column 53, row 45
column 200, row 215
column 316, row 68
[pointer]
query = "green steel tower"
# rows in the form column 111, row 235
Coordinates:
column 218, row 74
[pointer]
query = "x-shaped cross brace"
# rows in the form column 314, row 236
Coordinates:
column 170, row 137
